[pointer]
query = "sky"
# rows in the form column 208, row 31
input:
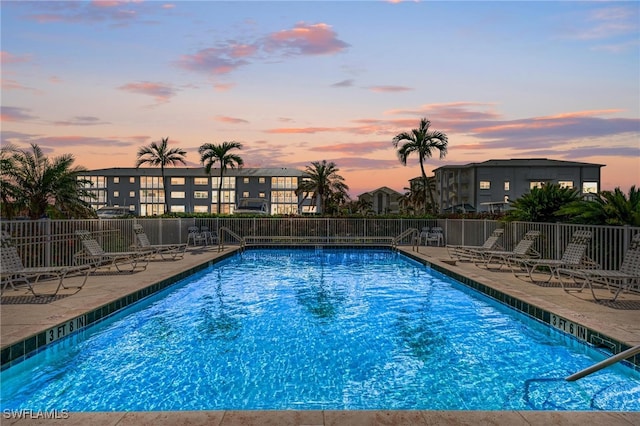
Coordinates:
column 302, row 81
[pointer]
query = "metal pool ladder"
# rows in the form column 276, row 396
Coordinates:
column 605, row 363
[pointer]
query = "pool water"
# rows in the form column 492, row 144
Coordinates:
column 317, row 329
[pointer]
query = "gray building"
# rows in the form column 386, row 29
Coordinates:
column 490, row 185
column 190, row 190
column 383, row 200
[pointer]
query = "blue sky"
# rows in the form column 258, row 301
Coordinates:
column 297, row 82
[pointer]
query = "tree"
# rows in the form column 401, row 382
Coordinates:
column 159, row 154
column 34, row 185
column 608, row 208
column 542, row 204
column 322, row 180
column 211, row 154
column 421, row 141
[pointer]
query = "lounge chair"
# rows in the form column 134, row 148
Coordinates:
column 209, row 236
column 574, row 256
column 93, row 254
column 13, row 270
column 171, row 251
column 465, row 252
column 625, row 278
column 523, row 250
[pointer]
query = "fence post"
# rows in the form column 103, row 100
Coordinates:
column 48, row 245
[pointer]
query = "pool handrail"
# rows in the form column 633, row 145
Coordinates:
column 605, row 363
column 222, row 230
column 415, row 239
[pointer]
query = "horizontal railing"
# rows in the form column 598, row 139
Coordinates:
column 53, row 242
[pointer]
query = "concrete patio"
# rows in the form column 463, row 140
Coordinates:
column 19, row 321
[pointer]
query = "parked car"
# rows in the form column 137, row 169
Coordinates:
column 252, row 206
column 113, row 212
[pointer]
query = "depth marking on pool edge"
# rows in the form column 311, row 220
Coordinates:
column 66, row 328
column 567, row 326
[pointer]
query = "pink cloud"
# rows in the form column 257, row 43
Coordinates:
column 306, row 130
column 354, row 148
column 161, row 92
column 223, row 87
column 306, row 39
column 231, row 120
column 214, row 60
column 7, row 58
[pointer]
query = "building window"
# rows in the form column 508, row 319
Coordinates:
column 200, row 209
column 566, row 184
column 151, row 182
column 245, row 194
column 485, row 184
column 116, row 179
column 116, row 194
column 262, row 195
column 507, row 184
column 284, row 182
column 132, row 179
column 177, row 209
column 177, row 194
column 590, row 188
column 200, row 195
column 132, row 194
column 536, row 184
column 245, row 180
column 132, row 208
column 200, row 181
column 261, row 180
column 284, row 202
column 227, row 182
column 177, row 181
column 506, row 199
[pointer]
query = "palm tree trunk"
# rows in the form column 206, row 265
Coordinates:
column 164, row 187
column 220, row 190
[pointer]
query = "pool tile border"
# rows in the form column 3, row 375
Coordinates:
column 19, row 351
column 586, row 335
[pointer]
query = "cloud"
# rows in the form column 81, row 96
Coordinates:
column 80, row 121
column 388, row 89
column 215, row 60
column 14, row 114
column 227, row 56
column 223, row 87
column 232, row 120
column 343, row 83
column 304, row 130
column 7, row 58
column 305, row 39
column 15, row 85
column 361, row 148
column 160, row 91
column 115, row 13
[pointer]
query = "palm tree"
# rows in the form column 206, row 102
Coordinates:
column 159, row 154
column 421, row 141
column 324, row 183
column 212, row 153
column 608, row 208
column 37, row 186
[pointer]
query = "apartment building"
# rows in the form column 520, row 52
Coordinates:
column 383, row 200
column 490, row 185
column 190, row 190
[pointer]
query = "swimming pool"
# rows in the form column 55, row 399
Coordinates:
column 317, row 329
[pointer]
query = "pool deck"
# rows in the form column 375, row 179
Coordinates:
column 620, row 321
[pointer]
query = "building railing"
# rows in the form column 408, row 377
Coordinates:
column 53, row 242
